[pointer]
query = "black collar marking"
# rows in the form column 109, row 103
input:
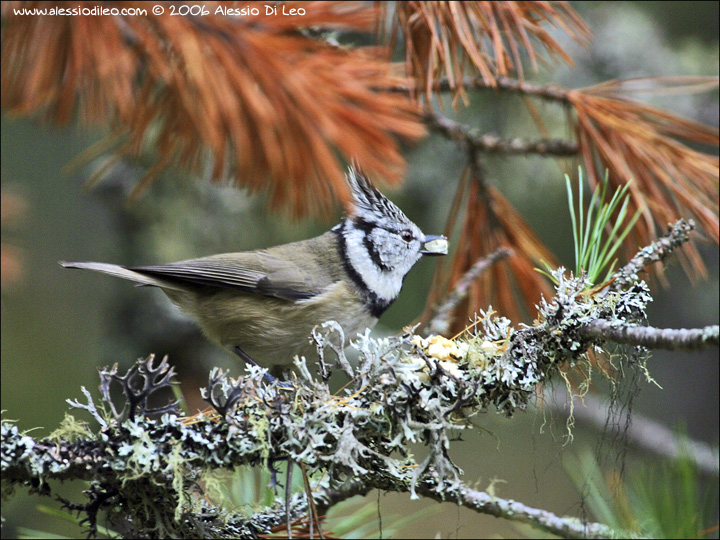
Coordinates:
column 375, row 305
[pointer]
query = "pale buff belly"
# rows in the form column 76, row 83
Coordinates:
column 271, row 330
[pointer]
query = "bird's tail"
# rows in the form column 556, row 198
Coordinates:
column 121, row 272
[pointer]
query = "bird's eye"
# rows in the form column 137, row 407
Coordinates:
column 407, row 235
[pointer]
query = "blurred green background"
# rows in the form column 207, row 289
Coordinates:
column 59, row 325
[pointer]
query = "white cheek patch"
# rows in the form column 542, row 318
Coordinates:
column 386, row 285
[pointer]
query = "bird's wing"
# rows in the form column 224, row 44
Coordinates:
column 257, row 272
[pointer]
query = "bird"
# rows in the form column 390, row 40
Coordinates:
column 262, row 305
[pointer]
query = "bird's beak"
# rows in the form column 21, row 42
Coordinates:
column 435, row 245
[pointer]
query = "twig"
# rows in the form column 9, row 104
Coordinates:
column 481, row 502
column 312, row 508
column 643, row 432
column 655, row 252
column 440, row 323
column 477, row 140
column 550, row 92
column 288, row 496
column 653, row 338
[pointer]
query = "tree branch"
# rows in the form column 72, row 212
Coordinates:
column 654, row 338
column 658, row 251
column 483, row 503
column 550, row 92
column 493, row 144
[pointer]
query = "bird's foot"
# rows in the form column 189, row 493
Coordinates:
column 270, row 379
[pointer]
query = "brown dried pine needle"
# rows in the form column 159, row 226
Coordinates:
column 454, row 39
column 249, row 98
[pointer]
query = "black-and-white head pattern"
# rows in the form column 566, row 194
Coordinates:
column 380, row 243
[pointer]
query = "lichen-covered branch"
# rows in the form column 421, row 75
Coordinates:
column 562, row 526
column 146, row 473
column 482, row 503
column 405, row 390
column 678, row 234
column 654, row 338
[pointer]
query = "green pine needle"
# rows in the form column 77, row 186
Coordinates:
column 594, row 248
